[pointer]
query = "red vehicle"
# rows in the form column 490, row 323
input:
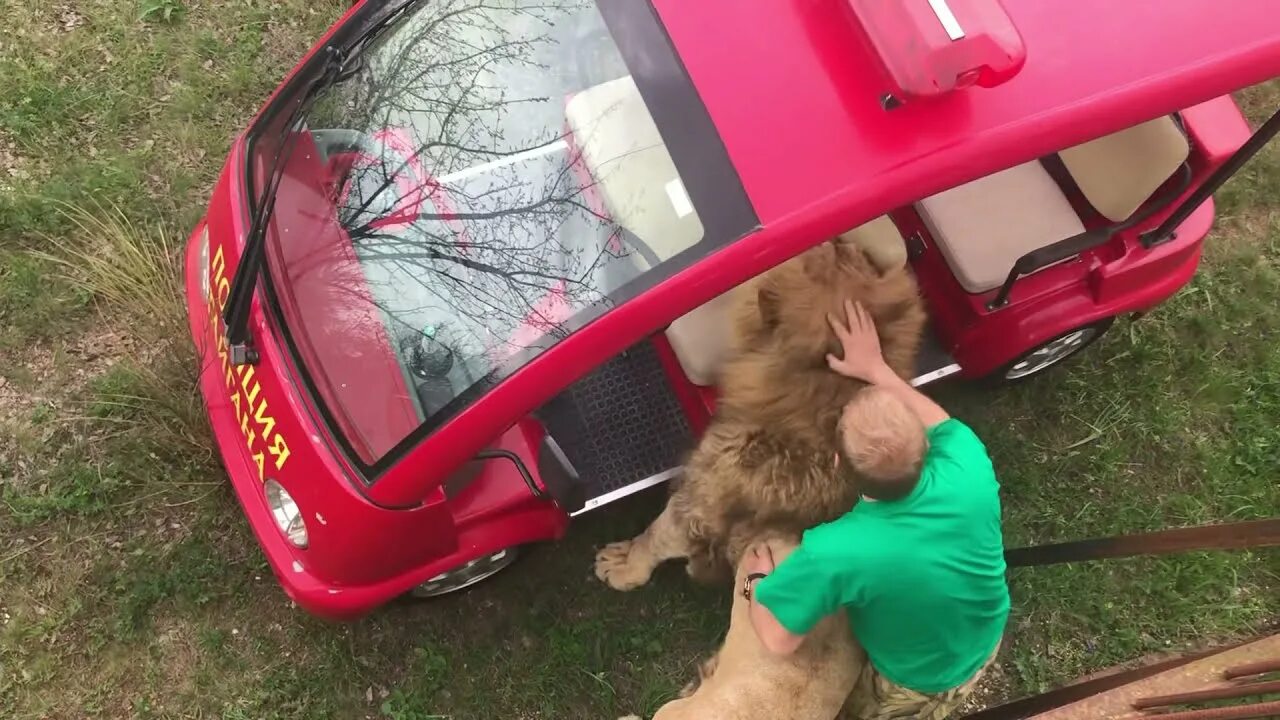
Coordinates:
column 461, row 278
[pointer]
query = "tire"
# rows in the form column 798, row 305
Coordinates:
column 466, row 575
column 1051, row 353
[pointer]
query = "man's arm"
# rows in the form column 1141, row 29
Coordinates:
column 863, row 360
column 775, row 638
column 794, row 586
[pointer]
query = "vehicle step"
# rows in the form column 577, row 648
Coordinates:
column 934, row 362
column 619, row 428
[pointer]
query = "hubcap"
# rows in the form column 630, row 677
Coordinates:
column 466, row 575
column 1051, row 353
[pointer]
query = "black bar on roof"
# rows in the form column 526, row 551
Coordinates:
column 1259, row 140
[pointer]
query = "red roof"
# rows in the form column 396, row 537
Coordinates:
column 794, row 92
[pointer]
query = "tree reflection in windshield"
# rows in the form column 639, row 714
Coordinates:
column 479, row 170
column 496, row 173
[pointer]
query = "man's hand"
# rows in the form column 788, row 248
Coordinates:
column 863, row 359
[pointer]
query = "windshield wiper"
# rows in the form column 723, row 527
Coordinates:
column 338, row 66
column 236, row 313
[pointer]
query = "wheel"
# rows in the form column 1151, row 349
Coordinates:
column 1052, row 353
column 464, row 576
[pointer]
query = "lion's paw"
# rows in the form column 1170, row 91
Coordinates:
column 620, row 566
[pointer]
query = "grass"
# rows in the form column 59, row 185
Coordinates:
column 29, row 307
column 130, row 585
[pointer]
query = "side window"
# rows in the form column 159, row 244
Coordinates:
column 632, row 173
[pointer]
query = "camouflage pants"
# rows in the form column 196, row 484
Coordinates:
column 875, row 697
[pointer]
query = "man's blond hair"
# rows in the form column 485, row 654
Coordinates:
column 884, row 442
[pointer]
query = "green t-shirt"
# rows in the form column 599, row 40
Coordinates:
column 922, row 578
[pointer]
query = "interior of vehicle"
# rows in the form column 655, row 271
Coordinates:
column 983, row 227
column 622, row 427
column 631, row 172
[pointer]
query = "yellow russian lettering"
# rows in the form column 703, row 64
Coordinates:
column 265, row 421
column 224, row 291
column 279, row 450
column 219, row 264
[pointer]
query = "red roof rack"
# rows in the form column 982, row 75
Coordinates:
column 930, row 48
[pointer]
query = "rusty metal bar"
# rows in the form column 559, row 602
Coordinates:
column 1237, row 712
column 1044, row 702
column 1228, row 536
column 1223, row 693
column 1257, row 668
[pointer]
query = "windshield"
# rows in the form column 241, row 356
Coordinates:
column 485, row 178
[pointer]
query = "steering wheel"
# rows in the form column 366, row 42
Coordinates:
column 643, row 249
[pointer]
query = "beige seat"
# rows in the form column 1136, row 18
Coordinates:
column 701, row 337
column 1119, row 172
column 881, row 241
column 984, row 226
column 635, row 176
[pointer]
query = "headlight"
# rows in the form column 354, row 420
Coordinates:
column 286, row 513
column 204, row 262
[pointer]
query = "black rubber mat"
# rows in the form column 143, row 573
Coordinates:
column 620, row 424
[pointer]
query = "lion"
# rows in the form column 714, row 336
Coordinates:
column 767, row 462
column 745, row 681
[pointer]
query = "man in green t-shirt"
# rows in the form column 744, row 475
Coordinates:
column 918, row 564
